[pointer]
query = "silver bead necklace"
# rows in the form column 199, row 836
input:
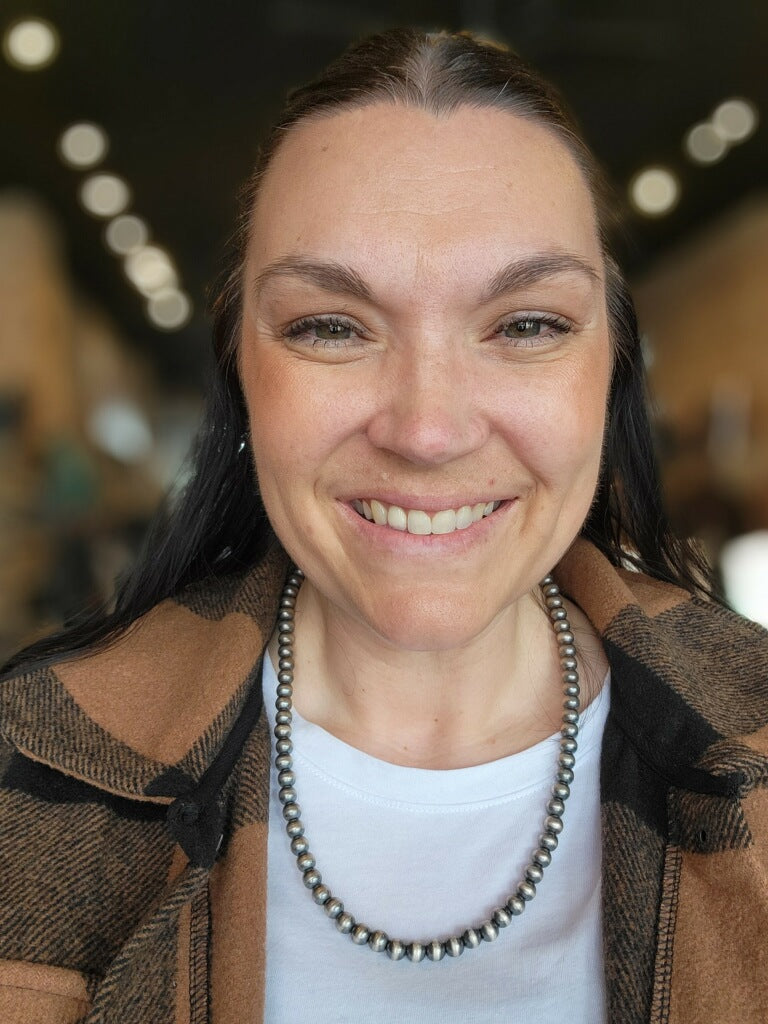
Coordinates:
column 376, row 940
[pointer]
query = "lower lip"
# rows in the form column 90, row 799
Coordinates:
column 401, row 542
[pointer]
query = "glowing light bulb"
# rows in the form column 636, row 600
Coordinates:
column 31, row 44
column 654, row 191
column 83, row 144
column 169, row 309
column 104, row 195
column 125, row 234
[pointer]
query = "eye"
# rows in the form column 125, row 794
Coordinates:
column 322, row 331
column 534, row 328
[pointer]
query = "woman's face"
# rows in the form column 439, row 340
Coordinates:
column 425, row 334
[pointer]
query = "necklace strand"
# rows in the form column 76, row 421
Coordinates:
column 377, row 940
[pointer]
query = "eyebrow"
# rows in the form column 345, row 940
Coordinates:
column 520, row 272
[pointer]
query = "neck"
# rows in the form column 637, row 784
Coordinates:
column 453, row 708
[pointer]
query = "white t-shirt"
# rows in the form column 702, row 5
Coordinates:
column 424, row 854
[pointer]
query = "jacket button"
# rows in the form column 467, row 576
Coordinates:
column 185, row 812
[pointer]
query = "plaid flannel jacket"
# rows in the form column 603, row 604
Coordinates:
column 134, row 809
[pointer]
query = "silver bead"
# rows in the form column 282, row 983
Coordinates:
column 534, row 873
column 558, row 615
column 551, row 590
column 285, row 677
column 284, row 628
column 561, row 627
column 566, row 759
column 416, row 951
column 572, row 689
column 553, row 824
column 548, row 841
column 283, row 717
column 290, row 590
column 561, row 790
column 333, row 907
column 556, row 807
column 305, row 861
column 283, row 762
column 489, row 931
column 291, row 811
column 567, row 663
column 312, row 878
column 567, row 650
column 571, row 703
column 299, row 845
column 571, row 717
column 565, row 638
column 565, row 775
column 571, row 678
column 282, row 731
column 502, row 917
column 554, row 602
column 283, row 704
column 359, row 934
column 526, row 891
column 515, row 905
column 286, row 795
column 542, row 857
column 287, row 601
column 286, row 777
column 395, row 949
column 435, row 950
column 321, row 894
column 454, row 946
column 471, row 938
column 295, row 827
column 377, row 941
column 285, row 615
column 284, row 747
column 568, row 742
column 344, row 922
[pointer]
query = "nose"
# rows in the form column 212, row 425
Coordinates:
column 429, row 409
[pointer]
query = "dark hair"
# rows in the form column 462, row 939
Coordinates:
column 218, row 525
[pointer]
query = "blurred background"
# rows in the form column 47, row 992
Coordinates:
column 126, row 129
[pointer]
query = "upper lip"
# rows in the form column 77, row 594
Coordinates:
column 424, row 503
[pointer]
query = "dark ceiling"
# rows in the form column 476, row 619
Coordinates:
column 185, row 89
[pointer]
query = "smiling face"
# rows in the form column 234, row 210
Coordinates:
column 425, row 358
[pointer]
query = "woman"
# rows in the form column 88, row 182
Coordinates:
column 429, row 379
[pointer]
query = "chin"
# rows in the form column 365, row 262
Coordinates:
column 427, row 623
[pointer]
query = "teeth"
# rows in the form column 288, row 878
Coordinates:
column 464, row 517
column 379, row 513
column 421, row 523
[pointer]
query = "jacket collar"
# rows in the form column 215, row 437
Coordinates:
column 147, row 717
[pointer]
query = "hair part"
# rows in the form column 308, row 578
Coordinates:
column 218, row 526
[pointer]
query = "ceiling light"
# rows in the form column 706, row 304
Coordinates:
column 125, row 234
column 704, row 144
column 31, row 45
column 654, row 191
column 104, row 195
column 735, row 120
column 83, row 145
column 150, row 269
column 169, row 309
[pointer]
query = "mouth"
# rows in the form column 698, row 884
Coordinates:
column 420, row 523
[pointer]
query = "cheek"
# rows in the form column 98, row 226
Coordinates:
column 556, row 424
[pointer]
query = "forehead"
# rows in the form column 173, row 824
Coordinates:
column 389, row 183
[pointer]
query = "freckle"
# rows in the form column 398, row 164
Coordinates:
column 492, row 481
